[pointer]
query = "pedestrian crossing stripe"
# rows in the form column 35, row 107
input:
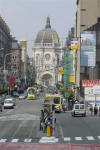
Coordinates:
column 78, row 138
column 28, row 140
column 48, row 140
column 90, row 138
column 67, row 139
column 3, row 140
column 14, row 140
column 51, row 139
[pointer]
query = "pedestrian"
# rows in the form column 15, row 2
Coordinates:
column 95, row 110
column 46, row 115
column 91, row 109
column 41, row 120
column 99, row 110
column 42, row 115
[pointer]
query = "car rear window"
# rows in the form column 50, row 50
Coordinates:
column 76, row 106
column 81, row 106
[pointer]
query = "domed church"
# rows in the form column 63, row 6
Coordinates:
column 47, row 55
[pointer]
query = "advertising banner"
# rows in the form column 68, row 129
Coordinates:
column 74, row 44
column 88, row 49
column 90, row 83
column 71, row 79
column 92, row 90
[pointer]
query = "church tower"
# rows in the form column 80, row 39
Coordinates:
column 47, row 54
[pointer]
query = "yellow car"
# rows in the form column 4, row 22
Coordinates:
column 48, row 96
column 31, row 93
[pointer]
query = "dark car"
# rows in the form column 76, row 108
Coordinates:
column 2, row 98
column 20, row 90
column 64, row 106
column 1, row 108
column 15, row 94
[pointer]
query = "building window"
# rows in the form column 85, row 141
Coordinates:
column 83, row 9
column 47, row 57
column 37, row 59
column 47, row 67
column 82, row 25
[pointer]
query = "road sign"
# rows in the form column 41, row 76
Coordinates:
column 61, row 71
column 66, row 94
column 74, row 44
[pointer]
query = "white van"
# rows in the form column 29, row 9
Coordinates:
column 78, row 109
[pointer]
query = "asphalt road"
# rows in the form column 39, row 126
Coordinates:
column 78, row 130
column 21, row 124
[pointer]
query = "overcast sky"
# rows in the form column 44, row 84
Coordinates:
column 26, row 18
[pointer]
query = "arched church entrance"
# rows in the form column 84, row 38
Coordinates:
column 46, row 79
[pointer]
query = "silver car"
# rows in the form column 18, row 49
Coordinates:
column 9, row 103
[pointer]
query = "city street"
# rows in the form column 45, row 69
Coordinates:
column 21, row 124
column 78, row 130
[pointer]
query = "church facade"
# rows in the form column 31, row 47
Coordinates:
column 47, row 55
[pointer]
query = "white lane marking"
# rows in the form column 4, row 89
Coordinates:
column 67, row 139
column 90, row 138
column 3, row 140
column 14, row 140
column 20, row 117
column 8, row 112
column 48, row 140
column 78, row 138
column 28, row 140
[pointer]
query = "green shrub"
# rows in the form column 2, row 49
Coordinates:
column 3, row 90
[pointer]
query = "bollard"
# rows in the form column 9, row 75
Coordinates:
column 51, row 130
column 48, row 133
column 48, row 127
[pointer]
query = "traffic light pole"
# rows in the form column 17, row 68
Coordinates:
column 53, row 122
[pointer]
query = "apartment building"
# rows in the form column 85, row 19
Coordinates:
column 5, row 46
column 87, row 19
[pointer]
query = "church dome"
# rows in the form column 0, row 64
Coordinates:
column 47, row 35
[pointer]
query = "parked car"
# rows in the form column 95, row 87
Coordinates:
column 2, row 98
column 23, row 96
column 9, row 103
column 79, row 109
column 21, row 90
column 1, row 107
column 64, row 105
column 15, row 94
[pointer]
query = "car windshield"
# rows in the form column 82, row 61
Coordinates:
column 31, row 91
column 7, row 102
column 56, row 100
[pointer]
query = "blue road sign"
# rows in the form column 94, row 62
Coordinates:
column 66, row 94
